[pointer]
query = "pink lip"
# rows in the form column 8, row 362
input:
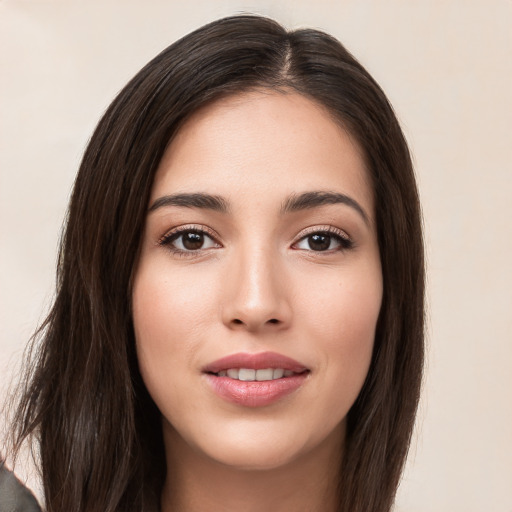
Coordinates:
column 258, row 361
column 255, row 393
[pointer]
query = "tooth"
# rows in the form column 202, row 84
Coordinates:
column 222, row 373
column 278, row 373
column 246, row 374
column 288, row 373
column 266, row 374
column 233, row 373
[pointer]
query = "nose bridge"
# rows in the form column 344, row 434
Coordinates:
column 258, row 294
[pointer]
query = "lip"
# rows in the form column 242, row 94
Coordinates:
column 257, row 361
column 255, row 393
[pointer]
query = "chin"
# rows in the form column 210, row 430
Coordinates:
column 259, row 446
column 256, row 456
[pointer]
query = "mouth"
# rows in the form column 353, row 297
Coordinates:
column 262, row 362
column 255, row 380
column 251, row 375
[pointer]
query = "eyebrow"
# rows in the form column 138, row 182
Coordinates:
column 314, row 199
column 294, row 203
column 196, row 200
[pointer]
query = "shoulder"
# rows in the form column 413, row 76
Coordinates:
column 14, row 496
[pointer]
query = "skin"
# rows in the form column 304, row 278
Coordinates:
column 257, row 285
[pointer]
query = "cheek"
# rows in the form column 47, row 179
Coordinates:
column 165, row 303
column 168, row 318
column 346, row 307
column 343, row 317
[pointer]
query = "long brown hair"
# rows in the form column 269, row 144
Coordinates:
column 98, row 430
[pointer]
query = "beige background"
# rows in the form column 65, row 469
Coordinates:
column 447, row 68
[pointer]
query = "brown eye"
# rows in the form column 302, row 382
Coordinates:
column 319, row 242
column 189, row 240
column 192, row 240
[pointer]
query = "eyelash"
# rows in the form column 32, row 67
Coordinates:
column 343, row 240
column 173, row 235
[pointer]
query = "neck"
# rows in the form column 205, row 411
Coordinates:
column 196, row 482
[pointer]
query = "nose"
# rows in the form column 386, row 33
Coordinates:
column 256, row 293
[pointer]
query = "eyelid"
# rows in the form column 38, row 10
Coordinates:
column 345, row 239
column 324, row 229
column 166, row 238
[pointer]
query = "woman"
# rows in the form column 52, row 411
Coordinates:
column 239, row 317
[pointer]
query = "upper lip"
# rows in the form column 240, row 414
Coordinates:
column 258, row 361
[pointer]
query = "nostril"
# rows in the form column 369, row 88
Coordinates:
column 251, row 325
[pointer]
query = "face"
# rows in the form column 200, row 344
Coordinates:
column 259, row 283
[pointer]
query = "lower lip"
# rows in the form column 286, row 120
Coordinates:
column 255, row 393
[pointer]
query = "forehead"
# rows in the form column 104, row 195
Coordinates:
column 267, row 143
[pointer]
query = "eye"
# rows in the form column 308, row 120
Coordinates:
column 188, row 240
column 320, row 241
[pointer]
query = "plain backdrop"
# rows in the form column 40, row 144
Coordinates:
column 446, row 67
